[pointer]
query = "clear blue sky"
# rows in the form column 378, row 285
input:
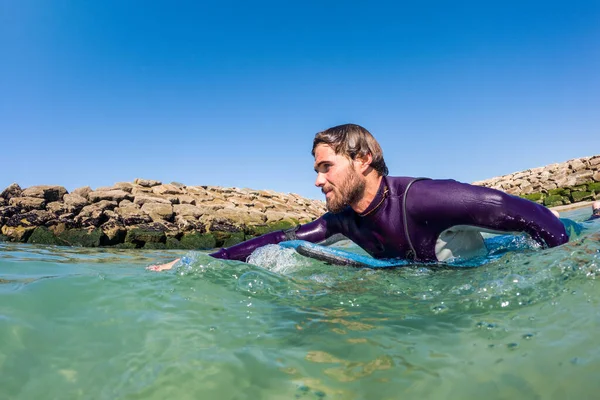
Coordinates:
column 230, row 93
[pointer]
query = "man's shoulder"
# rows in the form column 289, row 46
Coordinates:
column 398, row 184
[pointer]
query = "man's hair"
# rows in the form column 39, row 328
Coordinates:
column 352, row 141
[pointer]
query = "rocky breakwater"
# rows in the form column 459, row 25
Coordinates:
column 148, row 214
column 564, row 183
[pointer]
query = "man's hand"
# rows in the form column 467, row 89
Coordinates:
column 162, row 267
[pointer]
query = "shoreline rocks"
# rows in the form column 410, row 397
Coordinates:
column 554, row 185
column 148, row 214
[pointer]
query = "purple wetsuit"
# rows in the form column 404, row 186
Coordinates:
column 401, row 224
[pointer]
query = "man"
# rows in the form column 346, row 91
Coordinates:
column 400, row 217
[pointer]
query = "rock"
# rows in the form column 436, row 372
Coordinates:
column 110, row 195
column 132, row 215
column 158, row 212
column 583, row 177
column 576, row 165
column 581, row 196
column 198, row 241
column 56, row 207
column 85, row 237
column 74, row 202
column 96, row 207
column 124, row 186
column 594, row 162
column 7, row 212
column 188, row 210
column 188, row 223
column 18, row 233
column 31, row 218
column 140, row 200
column 27, row 203
column 114, row 233
column 94, row 215
column 553, row 201
column 82, row 191
column 147, row 233
column 258, row 230
column 46, row 192
column 594, row 187
column 139, row 190
column 43, row 235
column 13, row 190
column 167, row 189
column 146, row 182
column 596, row 176
column 535, row 197
column 186, row 199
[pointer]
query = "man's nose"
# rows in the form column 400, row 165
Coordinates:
column 320, row 182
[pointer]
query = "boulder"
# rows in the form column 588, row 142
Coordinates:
column 581, row 196
column 583, row 177
column 98, row 207
column 185, row 199
column 576, row 165
column 17, row 233
column 74, row 202
column 43, row 235
column 27, row 203
column 94, row 214
column 553, row 201
column 146, row 233
column 158, row 212
column 82, row 191
column 594, row 187
column 124, row 186
column 167, row 189
column 188, row 210
column 188, row 223
column 146, row 182
column 114, row 233
column 198, row 241
column 110, row 195
column 84, row 237
column 7, row 212
column 57, row 207
column 140, row 200
column 47, row 192
column 132, row 215
column 13, row 190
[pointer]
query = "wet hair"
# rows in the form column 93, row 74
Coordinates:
column 352, row 141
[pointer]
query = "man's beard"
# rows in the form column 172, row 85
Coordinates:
column 348, row 192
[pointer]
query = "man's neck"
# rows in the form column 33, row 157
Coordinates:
column 371, row 187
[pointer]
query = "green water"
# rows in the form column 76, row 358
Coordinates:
column 94, row 324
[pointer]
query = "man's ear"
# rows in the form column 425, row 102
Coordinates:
column 364, row 162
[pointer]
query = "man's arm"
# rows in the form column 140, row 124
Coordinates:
column 316, row 231
column 447, row 203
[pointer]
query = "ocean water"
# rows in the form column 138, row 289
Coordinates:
column 94, row 324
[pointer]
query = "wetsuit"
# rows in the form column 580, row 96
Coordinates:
column 412, row 224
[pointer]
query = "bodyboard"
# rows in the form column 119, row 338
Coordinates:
column 336, row 256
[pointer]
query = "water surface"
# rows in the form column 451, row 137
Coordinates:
column 94, row 324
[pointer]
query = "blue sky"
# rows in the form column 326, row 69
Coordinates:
column 231, row 93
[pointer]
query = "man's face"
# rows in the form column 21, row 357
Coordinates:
column 337, row 178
